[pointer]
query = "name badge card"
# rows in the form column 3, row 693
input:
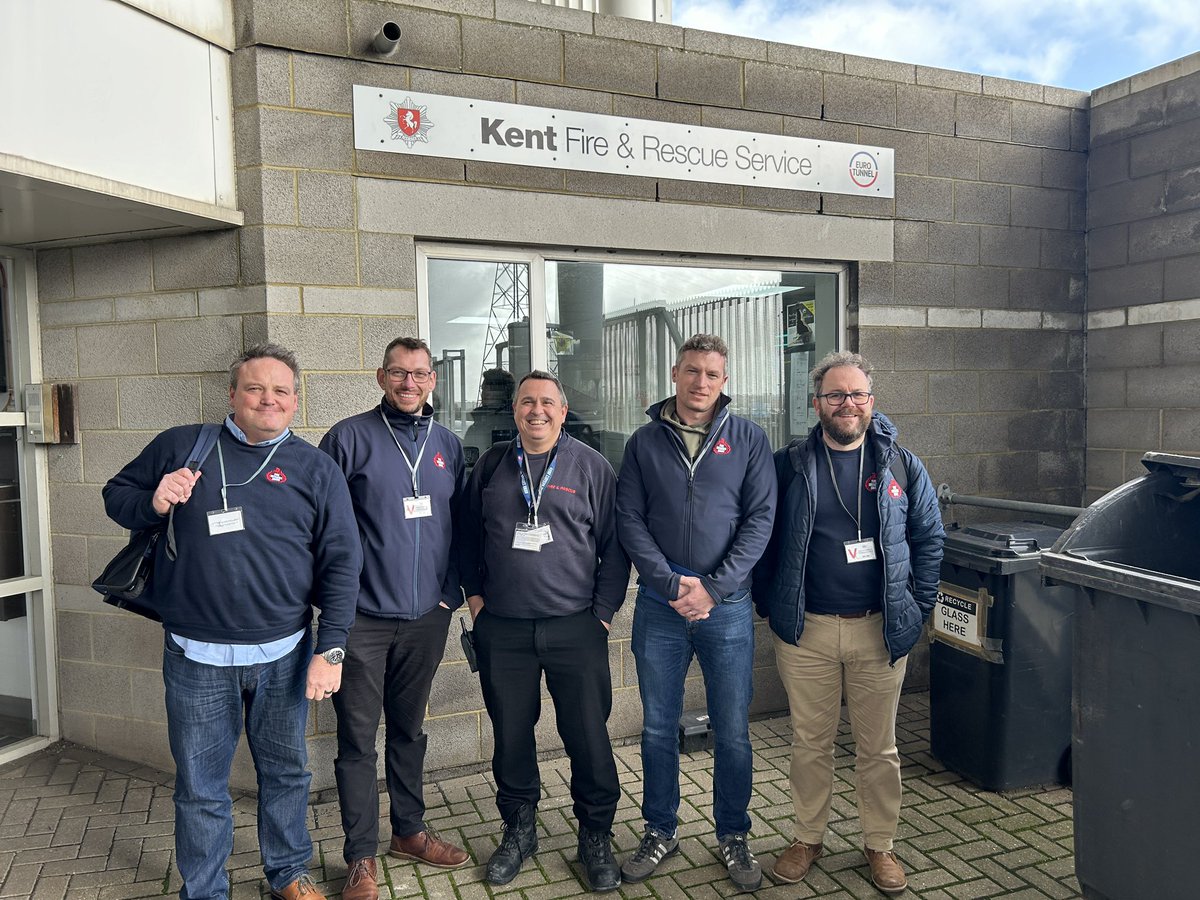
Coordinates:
column 225, row 521
column 860, row 551
column 531, row 537
column 418, row 507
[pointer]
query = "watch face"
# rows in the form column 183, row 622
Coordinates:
column 333, row 657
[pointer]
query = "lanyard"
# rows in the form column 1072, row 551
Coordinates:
column 225, row 485
column 412, row 466
column 838, row 492
column 534, row 499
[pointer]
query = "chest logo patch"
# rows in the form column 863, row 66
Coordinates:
column 276, row 476
column 894, row 490
column 439, row 460
column 722, row 448
column 872, row 482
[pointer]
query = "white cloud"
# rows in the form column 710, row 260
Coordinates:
column 1076, row 43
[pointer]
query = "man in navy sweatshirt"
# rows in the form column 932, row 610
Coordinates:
column 695, row 503
column 264, row 533
column 544, row 574
column 406, row 476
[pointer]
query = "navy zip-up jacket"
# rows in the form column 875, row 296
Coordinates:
column 407, row 564
column 299, row 547
column 712, row 517
column 910, row 539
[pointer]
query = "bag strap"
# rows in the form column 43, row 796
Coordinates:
column 205, row 441
column 492, row 463
column 900, row 475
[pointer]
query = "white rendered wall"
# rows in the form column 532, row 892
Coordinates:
column 102, row 88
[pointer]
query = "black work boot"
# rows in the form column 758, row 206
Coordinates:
column 600, row 869
column 518, row 844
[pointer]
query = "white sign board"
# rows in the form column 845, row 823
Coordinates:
column 957, row 619
column 458, row 128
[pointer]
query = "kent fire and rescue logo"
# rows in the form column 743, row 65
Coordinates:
column 439, row 460
column 894, row 490
column 409, row 122
column 276, row 476
column 872, row 482
column 722, row 448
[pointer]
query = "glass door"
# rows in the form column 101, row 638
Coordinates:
column 26, row 633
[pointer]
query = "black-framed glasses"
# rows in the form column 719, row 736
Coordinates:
column 420, row 376
column 838, row 398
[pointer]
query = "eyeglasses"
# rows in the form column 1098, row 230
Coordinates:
column 420, row 376
column 838, row 398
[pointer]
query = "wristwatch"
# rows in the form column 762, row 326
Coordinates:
column 335, row 656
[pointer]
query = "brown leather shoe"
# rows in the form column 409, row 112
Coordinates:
column 886, row 871
column 794, row 862
column 360, row 880
column 427, row 847
column 300, row 889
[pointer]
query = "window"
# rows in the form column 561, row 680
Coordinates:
column 613, row 329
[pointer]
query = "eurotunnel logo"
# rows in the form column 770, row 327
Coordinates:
column 863, row 169
column 722, row 448
column 408, row 122
column 439, row 460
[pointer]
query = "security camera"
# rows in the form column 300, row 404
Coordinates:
column 388, row 39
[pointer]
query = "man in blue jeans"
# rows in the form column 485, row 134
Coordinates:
column 263, row 533
column 695, row 504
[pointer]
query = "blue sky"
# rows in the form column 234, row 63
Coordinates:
column 1081, row 44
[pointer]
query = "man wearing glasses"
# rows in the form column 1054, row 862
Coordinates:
column 849, row 577
column 406, row 476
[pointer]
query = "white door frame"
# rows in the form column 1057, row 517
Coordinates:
column 20, row 273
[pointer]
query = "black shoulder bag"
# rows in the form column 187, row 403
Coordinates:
column 124, row 580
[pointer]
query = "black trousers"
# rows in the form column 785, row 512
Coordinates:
column 572, row 651
column 389, row 668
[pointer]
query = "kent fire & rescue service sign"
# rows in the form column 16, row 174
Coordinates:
column 393, row 121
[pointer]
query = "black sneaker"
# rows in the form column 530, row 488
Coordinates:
column 595, row 855
column 744, row 870
column 520, row 842
column 653, row 849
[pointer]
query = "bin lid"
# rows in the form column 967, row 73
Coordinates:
column 1139, row 540
column 1004, row 539
column 1000, row 546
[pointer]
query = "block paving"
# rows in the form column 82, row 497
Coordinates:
column 79, row 825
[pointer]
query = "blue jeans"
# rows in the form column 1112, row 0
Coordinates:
column 205, row 709
column 664, row 643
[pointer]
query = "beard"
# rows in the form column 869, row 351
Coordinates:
column 845, row 430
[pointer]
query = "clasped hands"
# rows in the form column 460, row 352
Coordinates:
column 692, row 600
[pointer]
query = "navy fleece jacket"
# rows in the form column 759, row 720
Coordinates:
column 299, row 548
column 714, row 518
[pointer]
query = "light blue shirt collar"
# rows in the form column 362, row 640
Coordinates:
column 241, row 435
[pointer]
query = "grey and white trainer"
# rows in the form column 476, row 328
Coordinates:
column 744, row 870
column 653, row 849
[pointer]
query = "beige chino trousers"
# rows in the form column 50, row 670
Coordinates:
column 837, row 656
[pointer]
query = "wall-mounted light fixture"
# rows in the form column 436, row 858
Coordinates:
column 387, row 39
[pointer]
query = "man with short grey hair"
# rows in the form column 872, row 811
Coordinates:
column 544, row 575
column 849, row 578
column 696, row 498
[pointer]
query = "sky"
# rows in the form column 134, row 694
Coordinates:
column 1079, row 44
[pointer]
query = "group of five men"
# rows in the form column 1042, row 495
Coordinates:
column 836, row 540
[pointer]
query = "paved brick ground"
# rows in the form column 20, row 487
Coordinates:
column 79, row 825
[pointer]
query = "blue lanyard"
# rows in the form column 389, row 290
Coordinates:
column 533, row 500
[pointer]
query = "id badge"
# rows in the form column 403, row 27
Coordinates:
column 531, row 537
column 225, row 521
column 418, row 507
column 860, row 551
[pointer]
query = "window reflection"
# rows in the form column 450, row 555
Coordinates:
column 479, row 334
column 614, row 329
column 12, row 548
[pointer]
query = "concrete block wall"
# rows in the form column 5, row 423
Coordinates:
column 1143, row 351
column 974, row 319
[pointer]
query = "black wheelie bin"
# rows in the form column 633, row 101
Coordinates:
column 1136, row 698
